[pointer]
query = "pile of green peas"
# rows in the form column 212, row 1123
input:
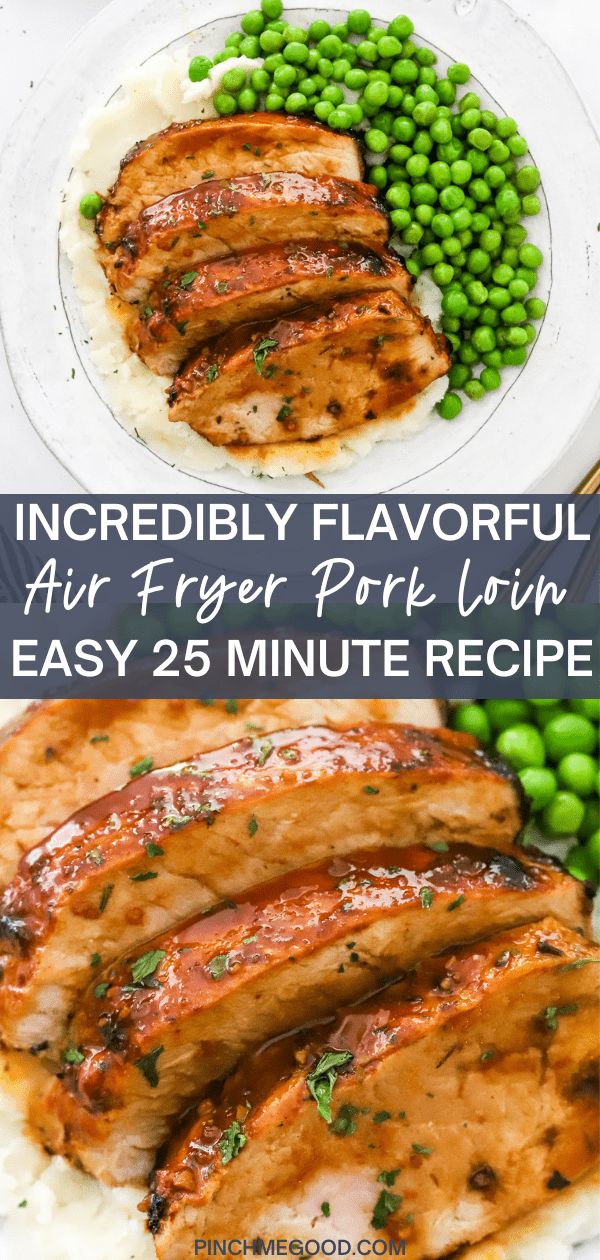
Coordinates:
column 553, row 747
column 451, row 171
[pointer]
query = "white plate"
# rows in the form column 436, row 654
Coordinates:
column 503, row 444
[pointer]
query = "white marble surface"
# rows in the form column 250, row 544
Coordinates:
column 34, row 32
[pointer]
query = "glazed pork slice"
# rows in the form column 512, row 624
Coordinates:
column 61, row 754
column 186, row 153
column 288, row 953
column 311, row 375
column 436, row 1113
column 261, row 285
column 175, row 841
column 222, row 217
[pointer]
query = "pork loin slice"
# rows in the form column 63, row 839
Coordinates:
column 60, row 754
column 260, row 286
column 311, row 375
column 228, row 216
column 453, row 1103
column 219, row 148
column 288, row 953
column 175, row 841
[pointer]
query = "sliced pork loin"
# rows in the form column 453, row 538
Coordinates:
column 61, row 754
column 289, row 952
column 219, row 148
column 452, row 1103
column 311, row 375
column 175, row 841
column 221, row 217
column 269, row 283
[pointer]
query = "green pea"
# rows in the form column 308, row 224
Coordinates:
column 318, row 30
column 442, row 225
column 90, row 205
column 479, row 190
column 461, row 219
column 506, row 127
column 401, row 219
column 272, row 62
column 367, row 51
column 480, row 138
column 507, row 201
column 340, row 119
column 563, row 815
column 401, row 27
column 376, row 93
column 199, row 69
column 423, row 143
column 224, row 103
column 539, row 785
column 355, row 79
column 253, row 23
column 490, row 378
column 233, row 80
column 515, row 313
column 484, row 339
column 593, row 849
column 451, row 198
column 479, row 261
column 395, row 97
column 495, row 177
column 424, row 113
column 452, row 248
column 359, row 21
column 470, row 119
column 454, row 303
column 580, row 864
column 403, row 70
column 567, row 733
column 459, row 73
column 528, row 179
column 377, row 175
column 446, row 91
column 249, row 47
column 221, row 56
column 376, row 140
column 417, row 165
column 586, row 708
column 514, row 357
column 389, row 46
column 333, row 94
column 498, row 152
column 408, row 102
column 516, row 336
column 477, row 293
column 284, row 76
column 424, row 214
column 578, row 773
column 449, row 407
column 400, row 153
column 443, row 274
column 473, row 719
column 521, row 744
column 325, row 67
column 439, row 174
column 296, row 53
column 260, row 80
column 340, row 69
column 295, row 35
column 424, row 195
column 591, row 819
column 247, row 100
column 323, row 110
column 474, row 390
column 518, row 289
column 468, row 354
column 274, row 102
column 271, row 41
column 441, row 130
column 272, row 9
column 413, row 234
column 517, row 145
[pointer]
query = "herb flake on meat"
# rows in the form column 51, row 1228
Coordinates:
column 323, row 1077
column 147, row 1066
column 232, row 1142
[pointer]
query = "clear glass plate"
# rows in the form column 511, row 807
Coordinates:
column 504, row 443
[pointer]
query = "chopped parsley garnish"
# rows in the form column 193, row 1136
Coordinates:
column 218, row 966
column 146, row 965
column 487, row 1054
column 557, row 1182
column 153, row 850
column 73, row 1055
column 252, row 826
column 211, row 373
column 222, row 286
column 249, row 940
column 105, row 897
column 142, row 876
column 188, row 279
column 370, row 791
column 99, row 739
column 95, row 960
column 208, row 174
column 101, row 989
column 96, row 857
column 175, row 821
column 231, row 706
column 323, row 1078
column 284, row 412
column 552, row 1014
column 232, row 1142
column 389, row 1178
column 289, row 754
column 438, row 846
column 344, row 1123
column 386, row 1204
column 325, row 1209
column 422, row 1150
column 576, row 966
column 426, row 898
column 147, row 1066
column 458, row 901
column 261, row 351
column 264, row 751
column 381, row 1116
column 141, row 767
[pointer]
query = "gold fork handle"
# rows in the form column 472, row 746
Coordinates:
column 591, row 482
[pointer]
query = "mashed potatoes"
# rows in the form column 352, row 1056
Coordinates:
column 152, row 97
